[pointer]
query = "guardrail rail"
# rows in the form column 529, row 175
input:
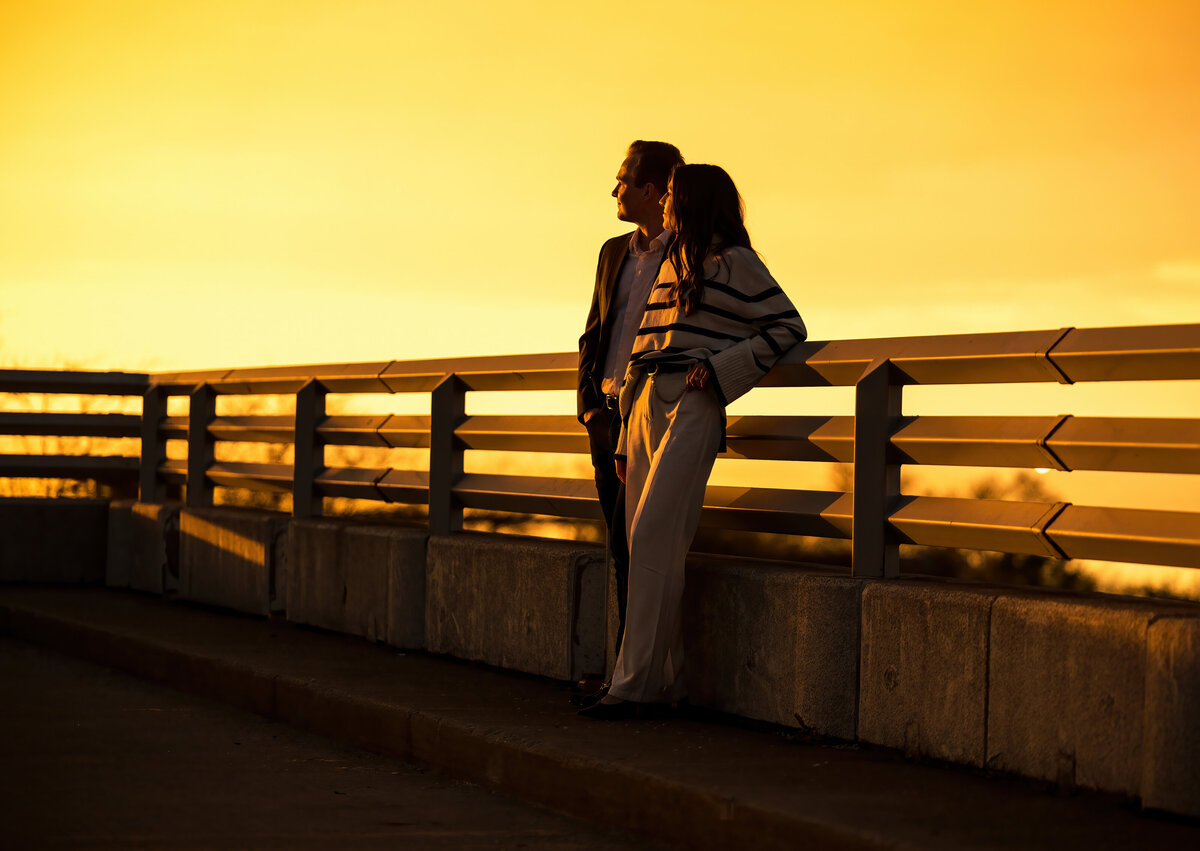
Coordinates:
column 878, row 440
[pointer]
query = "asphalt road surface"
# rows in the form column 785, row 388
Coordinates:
column 93, row 758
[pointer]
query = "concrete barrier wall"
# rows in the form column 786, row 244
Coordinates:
column 1067, row 691
column 156, row 565
column 363, row 580
column 530, row 605
column 925, row 669
column 1171, row 741
column 1093, row 692
column 233, row 558
column 771, row 643
column 119, row 547
column 53, row 540
column 143, row 546
column 1090, row 692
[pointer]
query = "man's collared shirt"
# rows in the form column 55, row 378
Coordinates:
column 629, row 303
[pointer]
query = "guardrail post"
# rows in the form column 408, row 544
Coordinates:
column 875, row 552
column 310, row 450
column 154, row 449
column 202, row 410
column 447, row 411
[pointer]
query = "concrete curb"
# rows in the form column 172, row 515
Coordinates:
column 683, row 782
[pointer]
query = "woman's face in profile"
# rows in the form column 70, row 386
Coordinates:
column 668, row 209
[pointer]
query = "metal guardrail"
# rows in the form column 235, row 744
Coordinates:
column 878, row 440
column 73, row 382
column 119, row 471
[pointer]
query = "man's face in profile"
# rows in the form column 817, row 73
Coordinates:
column 629, row 198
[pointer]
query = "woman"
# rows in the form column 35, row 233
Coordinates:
column 715, row 322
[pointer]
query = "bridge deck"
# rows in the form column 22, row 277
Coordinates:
column 95, row 758
column 695, row 782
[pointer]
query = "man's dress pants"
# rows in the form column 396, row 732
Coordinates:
column 603, row 430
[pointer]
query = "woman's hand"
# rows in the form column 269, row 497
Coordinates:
column 620, row 462
column 697, row 377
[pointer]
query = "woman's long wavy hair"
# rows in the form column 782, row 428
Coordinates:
column 706, row 204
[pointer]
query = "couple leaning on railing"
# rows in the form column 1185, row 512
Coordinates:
column 685, row 319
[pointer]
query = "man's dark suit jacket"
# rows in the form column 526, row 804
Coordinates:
column 597, row 335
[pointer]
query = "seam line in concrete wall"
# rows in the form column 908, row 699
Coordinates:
column 858, row 664
column 987, row 679
column 1146, row 674
column 277, row 580
column 574, row 590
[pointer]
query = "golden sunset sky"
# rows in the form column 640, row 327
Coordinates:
column 194, row 184
column 203, row 184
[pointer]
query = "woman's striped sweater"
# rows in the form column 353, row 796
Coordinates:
column 742, row 326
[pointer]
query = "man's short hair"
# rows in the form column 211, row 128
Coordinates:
column 652, row 163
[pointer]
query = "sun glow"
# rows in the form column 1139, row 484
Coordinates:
column 252, row 182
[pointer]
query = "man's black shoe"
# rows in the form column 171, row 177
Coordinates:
column 628, row 709
column 620, row 711
column 585, row 700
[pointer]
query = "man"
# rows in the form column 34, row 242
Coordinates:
column 624, row 276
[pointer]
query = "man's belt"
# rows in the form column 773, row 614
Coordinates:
column 611, row 402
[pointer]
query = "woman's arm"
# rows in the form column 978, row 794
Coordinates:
column 760, row 302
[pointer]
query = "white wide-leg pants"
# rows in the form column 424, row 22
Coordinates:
column 672, row 442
